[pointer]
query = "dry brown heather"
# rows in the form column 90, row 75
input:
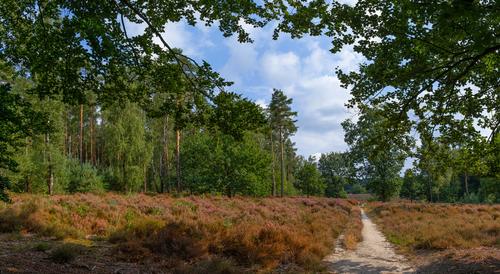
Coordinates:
column 255, row 233
column 415, row 226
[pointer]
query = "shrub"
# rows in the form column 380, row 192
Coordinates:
column 65, row 253
column 42, row 247
column 83, row 178
column 180, row 239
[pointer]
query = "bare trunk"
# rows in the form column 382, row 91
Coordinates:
column 27, row 179
column 50, row 172
column 65, row 143
column 466, row 180
column 70, row 144
column 282, row 164
column 145, row 187
column 92, row 136
column 178, row 158
column 80, row 141
column 272, row 154
column 164, row 164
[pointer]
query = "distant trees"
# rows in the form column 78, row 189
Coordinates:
column 443, row 173
column 281, row 118
column 127, row 149
column 308, row 178
column 337, row 169
column 217, row 163
column 378, row 155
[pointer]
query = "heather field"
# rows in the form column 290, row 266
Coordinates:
column 462, row 237
column 106, row 233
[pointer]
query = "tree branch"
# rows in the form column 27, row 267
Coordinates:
column 182, row 64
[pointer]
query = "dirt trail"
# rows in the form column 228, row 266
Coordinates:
column 373, row 255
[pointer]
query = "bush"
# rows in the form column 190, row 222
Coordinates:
column 181, row 240
column 83, row 178
column 65, row 253
column 472, row 198
column 42, row 247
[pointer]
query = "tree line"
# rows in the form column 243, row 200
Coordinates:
column 72, row 77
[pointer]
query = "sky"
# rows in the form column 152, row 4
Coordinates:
column 302, row 68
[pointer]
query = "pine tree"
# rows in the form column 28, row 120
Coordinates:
column 283, row 123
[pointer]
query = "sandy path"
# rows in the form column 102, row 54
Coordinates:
column 373, row 255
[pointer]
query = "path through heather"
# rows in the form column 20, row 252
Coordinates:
column 373, row 255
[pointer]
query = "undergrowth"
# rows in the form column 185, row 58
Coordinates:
column 254, row 234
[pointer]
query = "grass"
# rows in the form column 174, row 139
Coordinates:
column 195, row 233
column 419, row 226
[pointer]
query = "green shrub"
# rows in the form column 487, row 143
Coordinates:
column 42, row 247
column 83, row 178
column 65, row 253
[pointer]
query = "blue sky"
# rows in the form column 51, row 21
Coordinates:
column 303, row 69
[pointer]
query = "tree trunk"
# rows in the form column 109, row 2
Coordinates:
column 145, row 187
column 466, row 181
column 27, row 179
column 50, row 172
column 178, row 158
column 80, row 141
column 70, row 150
column 272, row 154
column 164, row 164
column 282, row 164
column 92, row 135
column 65, row 143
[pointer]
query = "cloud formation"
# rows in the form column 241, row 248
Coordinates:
column 303, row 69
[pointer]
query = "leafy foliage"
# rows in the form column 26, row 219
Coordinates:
column 217, row 163
column 378, row 155
column 309, row 180
column 337, row 169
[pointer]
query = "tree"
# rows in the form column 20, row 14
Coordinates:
column 283, row 123
column 378, row 154
column 18, row 121
column 14, row 126
column 127, row 148
column 309, row 180
column 337, row 170
column 433, row 64
column 413, row 185
column 218, row 163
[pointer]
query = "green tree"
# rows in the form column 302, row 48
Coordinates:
column 283, row 123
column 127, row 148
column 378, row 155
column 309, row 180
column 218, row 163
column 434, row 64
column 337, row 170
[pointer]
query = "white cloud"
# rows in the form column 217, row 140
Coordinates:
column 303, row 69
column 280, row 69
column 192, row 40
column 242, row 61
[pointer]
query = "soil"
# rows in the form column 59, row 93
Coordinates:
column 373, row 255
